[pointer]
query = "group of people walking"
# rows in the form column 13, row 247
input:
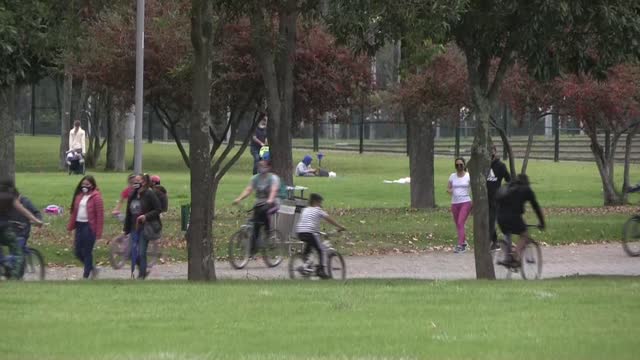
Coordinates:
column 506, row 204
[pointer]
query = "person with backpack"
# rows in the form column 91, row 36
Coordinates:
column 9, row 202
column 142, row 222
column 87, row 219
column 161, row 192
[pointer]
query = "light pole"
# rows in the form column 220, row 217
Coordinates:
column 137, row 133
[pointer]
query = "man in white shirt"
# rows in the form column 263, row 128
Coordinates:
column 77, row 138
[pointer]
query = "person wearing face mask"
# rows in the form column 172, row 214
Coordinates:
column 266, row 186
column 497, row 172
column 258, row 140
column 87, row 219
column 143, row 210
column 459, row 187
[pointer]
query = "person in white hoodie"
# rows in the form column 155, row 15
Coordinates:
column 77, row 138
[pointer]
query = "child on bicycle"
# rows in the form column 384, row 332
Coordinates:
column 308, row 230
column 511, row 200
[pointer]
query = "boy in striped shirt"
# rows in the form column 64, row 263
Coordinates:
column 308, row 230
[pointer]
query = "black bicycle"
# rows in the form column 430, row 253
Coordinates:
column 271, row 245
column 631, row 236
column 33, row 267
column 336, row 266
column 529, row 264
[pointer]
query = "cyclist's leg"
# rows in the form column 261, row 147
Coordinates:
column 322, row 252
column 522, row 242
column 306, row 251
column 506, row 260
column 8, row 238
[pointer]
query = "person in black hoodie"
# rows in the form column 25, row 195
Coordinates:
column 511, row 201
column 497, row 172
column 143, row 210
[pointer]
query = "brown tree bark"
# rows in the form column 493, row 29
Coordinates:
column 421, row 137
column 65, row 120
column 116, row 141
column 604, row 163
column 626, row 183
column 201, row 265
column 8, row 131
column 276, row 63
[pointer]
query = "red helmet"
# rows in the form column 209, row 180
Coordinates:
column 155, row 179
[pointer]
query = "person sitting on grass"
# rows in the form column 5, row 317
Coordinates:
column 304, row 167
column 308, row 231
column 511, row 200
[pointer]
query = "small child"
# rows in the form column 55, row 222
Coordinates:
column 308, row 230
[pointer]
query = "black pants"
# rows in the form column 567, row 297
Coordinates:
column 85, row 240
column 261, row 217
column 493, row 235
column 312, row 241
column 256, row 158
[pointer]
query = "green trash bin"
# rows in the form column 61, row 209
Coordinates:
column 185, row 215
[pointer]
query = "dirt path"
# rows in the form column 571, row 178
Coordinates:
column 601, row 259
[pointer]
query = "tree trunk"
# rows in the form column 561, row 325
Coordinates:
column 507, row 149
column 199, row 236
column 421, row 160
column 8, row 131
column 116, row 141
column 316, row 135
column 65, row 120
column 611, row 196
column 627, row 162
column 527, row 153
column 277, row 75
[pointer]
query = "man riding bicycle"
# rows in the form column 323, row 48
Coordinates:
column 266, row 186
column 511, row 200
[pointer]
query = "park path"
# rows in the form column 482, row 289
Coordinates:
column 559, row 261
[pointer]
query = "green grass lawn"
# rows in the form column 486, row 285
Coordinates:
column 376, row 213
column 577, row 318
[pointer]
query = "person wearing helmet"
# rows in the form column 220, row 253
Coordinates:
column 511, row 200
column 304, row 167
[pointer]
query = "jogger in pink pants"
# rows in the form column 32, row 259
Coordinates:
column 459, row 188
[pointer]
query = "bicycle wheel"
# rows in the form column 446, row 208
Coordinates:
column 501, row 271
column 120, row 251
column 531, row 261
column 154, row 253
column 337, row 267
column 273, row 248
column 296, row 263
column 239, row 249
column 33, row 268
column 631, row 236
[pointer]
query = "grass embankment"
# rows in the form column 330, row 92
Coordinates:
column 594, row 318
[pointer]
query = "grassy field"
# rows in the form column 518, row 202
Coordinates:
column 376, row 213
column 578, row 318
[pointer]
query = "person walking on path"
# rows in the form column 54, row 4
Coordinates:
column 87, row 219
column 497, row 172
column 258, row 140
column 459, row 187
column 143, row 210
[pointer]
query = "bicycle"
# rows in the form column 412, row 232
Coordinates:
column 240, row 245
column 336, row 266
column 33, row 267
column 529, row 265
column 120, row 252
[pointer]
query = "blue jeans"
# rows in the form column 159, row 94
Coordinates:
column 256, row 158
column 139, row 247
column 85, row 240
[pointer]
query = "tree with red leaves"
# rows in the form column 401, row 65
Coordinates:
column 435, row 93
column 608, row 108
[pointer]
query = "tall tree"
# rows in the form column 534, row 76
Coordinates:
column 28, row 46
column 549, row 36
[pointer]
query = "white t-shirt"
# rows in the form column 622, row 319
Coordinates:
column 461, row 187
column 301, row 169
column 310, row 220
column 83, row 215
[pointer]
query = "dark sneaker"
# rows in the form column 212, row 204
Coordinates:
column 460, row 249
column 494, row 246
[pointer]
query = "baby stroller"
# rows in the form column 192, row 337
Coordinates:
column 75, row 162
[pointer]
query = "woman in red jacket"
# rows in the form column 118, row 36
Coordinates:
column 87, row 219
